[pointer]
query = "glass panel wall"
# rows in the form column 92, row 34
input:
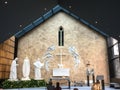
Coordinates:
column 114, row 58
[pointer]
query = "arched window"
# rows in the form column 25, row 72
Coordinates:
column 61, row 36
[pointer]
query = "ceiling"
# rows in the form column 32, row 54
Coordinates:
column 17, row 14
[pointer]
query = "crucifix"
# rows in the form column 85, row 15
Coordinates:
column 60, row 65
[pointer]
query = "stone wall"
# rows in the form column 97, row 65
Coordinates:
column 90, row 45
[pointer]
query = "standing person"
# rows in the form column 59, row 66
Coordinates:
column 13, row 70
column 26, row 69
column 50, row 86
column 75, row 89
column 58, row 86
column 38, row 65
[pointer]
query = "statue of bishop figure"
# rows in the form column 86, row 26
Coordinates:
column 38, row 65
column 26, row 69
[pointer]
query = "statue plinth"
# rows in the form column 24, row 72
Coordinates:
column 13, row 79
column 25, row 78
column 39, row 79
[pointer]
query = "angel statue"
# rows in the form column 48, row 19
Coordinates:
column 73, row 52
column 51, row 48
column 48, row 56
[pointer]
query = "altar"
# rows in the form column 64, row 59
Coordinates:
column 61, row 74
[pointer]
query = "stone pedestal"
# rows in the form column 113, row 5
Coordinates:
column 38, row 78
column 27, row 78
column 13, row 79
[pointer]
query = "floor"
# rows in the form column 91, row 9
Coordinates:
column 44, row 88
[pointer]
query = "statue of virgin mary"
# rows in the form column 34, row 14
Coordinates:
column 26, row 69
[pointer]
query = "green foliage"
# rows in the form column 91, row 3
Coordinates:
column 23, row 84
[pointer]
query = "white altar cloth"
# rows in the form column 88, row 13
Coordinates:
column 61, row 72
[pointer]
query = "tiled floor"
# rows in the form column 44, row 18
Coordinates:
column 44, row 88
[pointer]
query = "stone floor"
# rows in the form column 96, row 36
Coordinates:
column 44, row 88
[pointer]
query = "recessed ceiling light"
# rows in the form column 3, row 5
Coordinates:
column 20, row 25
column 96, row 22
column 70, row 6
column 45, row 9
column 6, row 2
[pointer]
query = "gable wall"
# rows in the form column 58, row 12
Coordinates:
column 90, row 45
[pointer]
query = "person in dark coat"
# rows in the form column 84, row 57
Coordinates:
column 58, row 86
column 50, row 86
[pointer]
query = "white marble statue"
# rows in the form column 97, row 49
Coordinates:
column 48, row 56
column 73, row 51
column 76, row 56
column 38, row 65
column 26, row 69
column 47, row 65
column 51, row 48
column 13, row 70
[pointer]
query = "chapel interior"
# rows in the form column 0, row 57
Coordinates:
column 95, row 51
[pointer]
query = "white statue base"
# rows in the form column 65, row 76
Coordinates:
column 27, row 78
column 13, row 79
column 39, row 79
